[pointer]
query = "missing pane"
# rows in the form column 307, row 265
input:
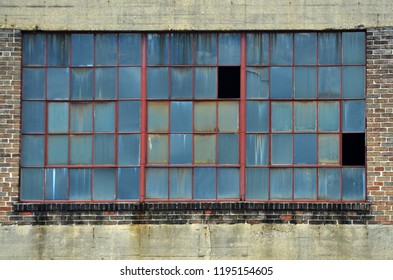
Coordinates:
column 353, row 149
column 229, row 82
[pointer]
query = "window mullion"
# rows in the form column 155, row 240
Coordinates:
column 242, row 118
column 143, row 129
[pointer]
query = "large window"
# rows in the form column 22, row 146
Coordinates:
column 193, row 117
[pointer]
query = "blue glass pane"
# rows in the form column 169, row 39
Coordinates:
column 104, row 184
column 280, row 183
column 329, row 82
column 353, row 116
column 204, row 116
column 81, row 117
column 281, row 116
column 129, row 116
column 57, row 149
column 181, row 149
column 305, row 48
column 354, row 47
column 32, row 150
column 157, row 148
column 328, row 149
column 157, row 49
column 305, row 183
column 58, row 49
column 205, row 49
column 104, row 117
column 82, row 83
column 128, row 183
column 281, row 82
column 181, row 117
column 354, row 184
column 181, row 183
column 156, row 183
column 81, row 149
column 228, row 149
column 257, row 116
column 204, row 149
column 181, row 48
column 204, row 183
column 257, row 82
column 82, row 49
column 80, row 184
column 106, row 49
column 281, row 49
column 329, row 183
column 281, row 149
column 33, row 83
column 157, row 83
column 229, row 49
column 32, row 184
column 305, row 116
column 128, row 149
column 328, row 119
column 130, row 49
column 57, row 117
column 129, row 82
column 305, row 148
column 205, row 85
column 257, row 48
column 181, row 83
column 228, row 116
column 56, row 187
column 58, row 83
column 353, row 81
column 228, row 183
column 104, row 149
column 105, row 83
column 257, row 149
column 157, row 116
column 34, row 46
column 33, row 113
column 305, row 82
column 257, row 183
column 329, row 48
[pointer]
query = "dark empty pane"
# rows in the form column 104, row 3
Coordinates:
column 228, row 116
column 281, row 149
column 181, row 117
column 204, row 116
column 81, row 149
column 157, row 148
column 157, row 49
column 329, row 48
column 156, row 183
column 328, row 149
column 128, row 183
column 305, row 183
column 82, row 83
column 354, row 47
column 204, row 183
column 281, row 49
column 33, row 113
column 305, row 48
column 32, row 184
column 204, row 149
column 80, row 184
column 257, row 183
column 205, row 48
column 353, row 118
column 129, row 82
column 305, row 116
column 104, row 184
column 157, row 116
column 57, row 149
column 81, row 117
column 281, row 183
column 328, row 119
column 106, row 49
column 58, row 49
column 353, row 81
column 229, row 49
column 33, row 83
column 104, row 149
column 228, row 183
column 181, row 183
column 205, row 82
column 257, row 149
column 130, row 49
column 281, row 82
column 34, row 46
column 228, row 149
column 32, row 150
column 181, row 149
column 105, row 83
column 128, row 149
column 257, row 82
column 181, row 48
column 229, row 82
column 157, row 83
column 129, row 116
column 281, row 116
column 257, row 116
column 329, row 82
column 305, row 82
column 257, row 48
column 82, row 49
column 56, row 183
column 329, row 183
column 181, row 83
column 57, row 117
column 58, row 83
column 353, row 149
column 354, row 184
column 104, row 117
column 305, row 148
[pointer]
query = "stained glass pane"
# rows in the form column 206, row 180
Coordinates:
column 80, row 184
column 156, row 183
column 58, row 83
column 257, row 183
column 181, row 183
column 228, row 183
column 128, row 183
column 32, row 184
column 280, row 183
column 104, row 184
column 56, row 186
column 204, row 183
column 229, row 49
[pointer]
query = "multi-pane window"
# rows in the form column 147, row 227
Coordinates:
column 193, row 116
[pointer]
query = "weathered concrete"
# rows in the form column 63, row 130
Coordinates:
column 194, row 15
column 199, row 241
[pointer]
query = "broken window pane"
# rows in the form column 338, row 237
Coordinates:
column 257, row 82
